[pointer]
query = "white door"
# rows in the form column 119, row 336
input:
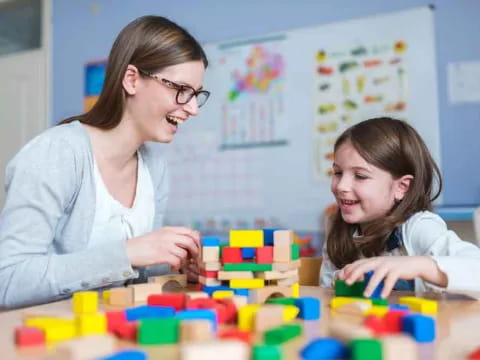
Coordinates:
column 24, row 99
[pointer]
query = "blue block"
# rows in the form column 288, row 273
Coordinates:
column 149, row 311
column 420, row 327
column 309, row 308
column 211, row 289
column 248, row 253
column 196, row 314
column 398, row 307
column 268, row 237
column 127, row 355
column 244, row 292
column 378, row 290
column 325, row 348
column 210, row 241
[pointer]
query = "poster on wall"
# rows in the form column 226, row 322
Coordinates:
column 351, row 84
column 94, row 78
column 252, row 98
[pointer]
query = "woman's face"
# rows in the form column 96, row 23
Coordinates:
column 154, row 108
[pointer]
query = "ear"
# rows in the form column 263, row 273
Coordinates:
column 402, row 185
column 130, row 79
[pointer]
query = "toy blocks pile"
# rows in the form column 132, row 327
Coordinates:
column 255, row 263
column 370, row 328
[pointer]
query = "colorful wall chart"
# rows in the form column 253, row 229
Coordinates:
column 94, row 78
column 352, row 84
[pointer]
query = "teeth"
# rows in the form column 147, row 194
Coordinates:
column 174, row 119
column 349, row 202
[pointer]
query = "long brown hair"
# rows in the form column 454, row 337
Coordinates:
column 150, row 43
column 394, row 146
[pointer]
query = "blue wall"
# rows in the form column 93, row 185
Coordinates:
column 84, row 31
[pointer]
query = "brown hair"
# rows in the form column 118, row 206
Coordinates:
column 150, row 43
column 394, row 146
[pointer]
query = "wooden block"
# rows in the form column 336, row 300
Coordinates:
column 55, row 329
column 91, row 324
column 209, row 281
column 288, row 281
column 378, row 310
column 345, row 331
column 209, row 274
column 264, row 255
column 268, row 317
column 285, row 266
column 196, row 295
column 90, row 347
column 196, row 331
column 142, row 291
column 247, row 283
column 277, row 275
column 259, row 296
column 283, row 237
column 296, row 290
column 121, row 296
column 239, row 300
column 29, row 336
column 170, row 283
column 309, row 271
column 282, row 253
column 423, row 306
column 211, row 266
column 356, row 308
column 85, row 302
column 232, row 255
column 229, row 275
column 210, row 253
column 106, row 296
column 246, row 238
column 399, row 347
column 229, row 349
column 341, row 300
column 222, row 294
column 246, row 317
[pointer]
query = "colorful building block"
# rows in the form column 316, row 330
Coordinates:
column 210, row 241
column 325, row 348
column 177, row 301
column 264, row 255
column 85, row 302
column 376, row 294
column 149, row 311
column 247, row 283
column 366, row 349
column 354, row 290
column 282, row 334
column 423, row 306
column 420, row 327
column 91, row 324
column 29, row 336
column 158, row 331
column 199, row 314
column 248, row 253
column 309, row 308
column 246, row 238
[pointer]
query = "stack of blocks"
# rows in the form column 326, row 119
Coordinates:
column 254, row 263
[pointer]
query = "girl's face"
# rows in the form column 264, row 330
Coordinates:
column 363, row 192
column 154, row 107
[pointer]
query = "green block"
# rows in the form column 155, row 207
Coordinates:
column 379, row 302
column 295, row 251
column 266, row 352
column 366, row 349
column 281, row 301
column 247, row 267
column 221, row 250
column 282, row 334
column 355, row 290
column 158, row 331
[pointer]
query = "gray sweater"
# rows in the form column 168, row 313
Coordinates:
column 47, row 219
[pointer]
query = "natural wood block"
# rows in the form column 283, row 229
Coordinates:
column 282, row 253
column 196, row 295
column 142, row 291
column 121, row 296
column 309, row 271
column 345, row 331
column 283, row 237
column 228, row 349
column 288, row 281
column 285, row 266
column 276, row 275
column 89, row 347
column 229, row 275
column 211, row 266
column 267, row 317
column 196, row 330
column 209, row 281
column 171, row 282
column 259, row 296
column 210, row 253
column 399, row 347
column 356, row 308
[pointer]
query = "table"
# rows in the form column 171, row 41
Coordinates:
column 457, row 321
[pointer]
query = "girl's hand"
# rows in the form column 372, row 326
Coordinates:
column 171, row 245
column 390, row 269
column 192, row 270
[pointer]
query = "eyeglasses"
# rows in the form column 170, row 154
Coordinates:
column 185, row 93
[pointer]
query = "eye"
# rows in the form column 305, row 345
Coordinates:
column 337, row 172
column 361, row 177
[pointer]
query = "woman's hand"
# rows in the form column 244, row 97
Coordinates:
column 392, row 268
column 191, row 269
column 171, row 245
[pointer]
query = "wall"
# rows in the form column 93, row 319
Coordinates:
column 85, row 30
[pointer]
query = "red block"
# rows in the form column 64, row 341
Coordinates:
column 232, row 255
column 375, row 324
column 474, row 355
column 393, row 321
column 264, row 255
column 127, row 330
column 236, row 334
column 29, row 336
column 178, row 301
column 225, row 310
column 114, row 319
column 230, row 310
column 209, row 274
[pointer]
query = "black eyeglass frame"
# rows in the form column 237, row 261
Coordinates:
column 179, row 88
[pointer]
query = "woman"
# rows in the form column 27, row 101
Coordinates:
column 86, row 199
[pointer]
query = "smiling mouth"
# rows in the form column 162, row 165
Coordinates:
column 174, row 120
column 349, row 202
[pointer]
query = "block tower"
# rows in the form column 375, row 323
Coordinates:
column 256, row 263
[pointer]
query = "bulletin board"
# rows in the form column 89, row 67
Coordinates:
column 259, row 153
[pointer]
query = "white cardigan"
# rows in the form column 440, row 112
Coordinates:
column 426, row 234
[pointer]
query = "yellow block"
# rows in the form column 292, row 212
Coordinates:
column 378, row 310
column 106, row 296
column 247, row 283
column 343, row 300
column 246, row 238
column 55, row 329
column 222, row 294
column 420, row 305
column 246, row 316
column 290, row 312
column 85, row 302
column 91, row 324
column 295, row 290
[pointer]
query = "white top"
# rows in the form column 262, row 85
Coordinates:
column 426, row 234
column 115, row 222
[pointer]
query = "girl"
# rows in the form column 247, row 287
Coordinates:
column 86, row 199
column 383, row 184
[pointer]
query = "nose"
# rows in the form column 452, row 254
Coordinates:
column 342, row 183
column 192, row 106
